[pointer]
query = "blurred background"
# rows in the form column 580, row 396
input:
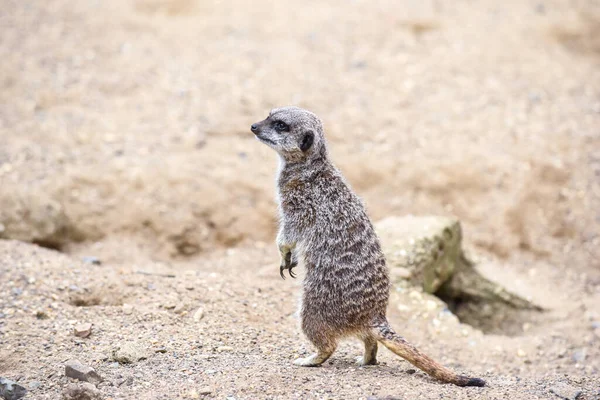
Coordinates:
column 130, row 119
column 125, row 145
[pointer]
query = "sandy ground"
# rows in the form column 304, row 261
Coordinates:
column 124, row 135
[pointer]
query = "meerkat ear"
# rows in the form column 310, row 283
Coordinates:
column 307, row 141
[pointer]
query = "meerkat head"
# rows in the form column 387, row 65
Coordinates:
column 294, row 133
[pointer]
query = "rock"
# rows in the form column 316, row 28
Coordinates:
column 81, row 391
column 580, row 355
column 31, row 216
column 128, row 353
column 41, row 315
column 83, row 330
column 127, row 309
column 179, row 308
column 75, row 369
column 10, row 390
column 34, row 385
column 222, row 349
column 92, row 260
column 428, row 250
column 204, row 390
column 565, row 391
column 199, row 314
column 521, row 353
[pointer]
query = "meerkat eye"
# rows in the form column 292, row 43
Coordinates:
column 281, row 126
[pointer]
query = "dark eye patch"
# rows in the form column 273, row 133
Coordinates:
column 281, row 126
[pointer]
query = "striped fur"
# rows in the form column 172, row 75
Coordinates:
column 325, row 225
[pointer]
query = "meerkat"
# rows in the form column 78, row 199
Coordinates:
column 324, row 225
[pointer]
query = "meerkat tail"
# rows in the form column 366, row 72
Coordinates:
column 396, row 343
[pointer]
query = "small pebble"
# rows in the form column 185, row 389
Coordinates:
column 34, row 385
column 205, row 390
column 127, row 309
column 81, row 391
column 41, row 315
column 128, row 353
column 580, row 355
column 179, row 308
column 92, row 260
column 83, row 330
column 199, row 314
column 75, row 369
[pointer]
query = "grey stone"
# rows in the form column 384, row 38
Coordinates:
column 565, row 391
column 75, row 369
column 580, row 355
column 92, row 260
column 128, row 353
column 10, row 390
column 34, row 385
column 81, row 391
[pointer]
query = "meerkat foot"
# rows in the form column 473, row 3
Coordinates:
column 370, row 354
column 314, row 360
column 361, row 362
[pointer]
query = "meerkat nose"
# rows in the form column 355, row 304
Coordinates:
column 254, row 128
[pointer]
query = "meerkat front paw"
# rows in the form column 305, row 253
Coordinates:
column 289, row 268
column 288, row 263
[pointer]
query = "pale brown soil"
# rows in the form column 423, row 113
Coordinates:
column 133, row 116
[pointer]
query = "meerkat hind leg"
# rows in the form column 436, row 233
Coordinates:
column 370, row 356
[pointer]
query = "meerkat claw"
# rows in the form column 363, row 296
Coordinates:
column 292, row 273
column 281, row 269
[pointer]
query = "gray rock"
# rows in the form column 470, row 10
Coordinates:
column 34, row 385
column 580, row 355
column 92, row 260
column 565, row 391
column 81, row 391
column 77, row 370
column 10, row 390
column 128, row 353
